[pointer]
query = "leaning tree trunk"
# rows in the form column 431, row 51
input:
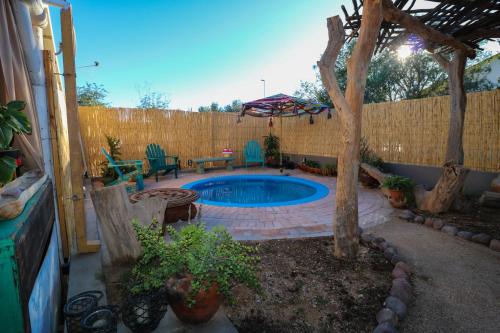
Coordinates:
column 349, row 108
column 451, row 182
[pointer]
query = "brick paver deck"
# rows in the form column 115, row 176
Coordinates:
column 305, row 220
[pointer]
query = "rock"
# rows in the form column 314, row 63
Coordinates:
column 402, row 290
column 495, row 245
column 366, row 239
column 376, row 241
column 398, row 272
column 382, row 246
column 403, row 282
column 429, row 222
column 385, row 327
column 395, row 259
column 481, row 239
column 404, row 266
column 397, row 306
column 467, row 235
column 419, row 219
column 387, row 315
column 389, row 253
column 437, row 224
column 449, row 229
column 407, row 215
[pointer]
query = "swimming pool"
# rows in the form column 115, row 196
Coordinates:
column 257, row 191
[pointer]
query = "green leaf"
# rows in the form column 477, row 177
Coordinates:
column 16, row 105
column 7, row 168
column 5, row 137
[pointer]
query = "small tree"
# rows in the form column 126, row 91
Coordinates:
column 154, row 100
column 92, row 94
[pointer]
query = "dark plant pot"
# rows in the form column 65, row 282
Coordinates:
column 102, row 319
column 143, row 312
column 366, row 180
column 207, row 302
column 397, row 198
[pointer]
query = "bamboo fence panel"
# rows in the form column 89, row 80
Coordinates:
column 407, row 132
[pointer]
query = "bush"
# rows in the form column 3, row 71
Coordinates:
column 312, row 164
column 208, row 256
column 368, row 156
column 398, row 183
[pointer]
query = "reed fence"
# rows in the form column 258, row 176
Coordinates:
column 408, row 132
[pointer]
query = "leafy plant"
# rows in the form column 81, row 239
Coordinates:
column 208, row 256
column 114, row 150
column 398, row 183
column 368, row 156
column 312, row 164
column 12, row 121
column 272, row 147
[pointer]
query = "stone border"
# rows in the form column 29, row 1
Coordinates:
column 438, row 224
column 401, row 295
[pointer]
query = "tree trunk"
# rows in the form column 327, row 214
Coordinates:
column 453, row 177
column 345, row 222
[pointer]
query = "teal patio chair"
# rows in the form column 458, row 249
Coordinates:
column 253, row 153
column 158, row 161
column 124, row 177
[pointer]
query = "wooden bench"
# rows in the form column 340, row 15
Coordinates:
column 200, row 163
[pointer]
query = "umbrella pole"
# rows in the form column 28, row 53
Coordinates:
column 281, row 140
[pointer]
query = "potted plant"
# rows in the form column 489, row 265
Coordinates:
column 12, row 121
column 272, row 150
column 197, row 267
column 312, row 167
column 399, row 190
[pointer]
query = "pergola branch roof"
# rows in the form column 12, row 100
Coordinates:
column 468, row 21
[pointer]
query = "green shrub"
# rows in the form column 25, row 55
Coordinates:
column 312, row 164
column 368, row 156
column 398, row 183
column 272, row 147
column 209, row 256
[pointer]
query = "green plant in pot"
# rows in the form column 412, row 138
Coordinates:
column 400, row 190
column 12, row 121
column 197, row 266
column 272, row 150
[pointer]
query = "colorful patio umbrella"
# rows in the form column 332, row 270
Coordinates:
column 282, row 105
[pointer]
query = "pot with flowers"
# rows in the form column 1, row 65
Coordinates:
column 400, row 190
column 12, row 121
column 198, row 268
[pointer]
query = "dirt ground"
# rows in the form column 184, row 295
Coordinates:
column 305, row 289
column 456, row 281
column 478, row 220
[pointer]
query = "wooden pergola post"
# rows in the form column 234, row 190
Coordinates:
column 76, row 200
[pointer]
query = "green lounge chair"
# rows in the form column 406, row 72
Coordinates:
column 158, row 161
column 137, row 173
column 253, row 153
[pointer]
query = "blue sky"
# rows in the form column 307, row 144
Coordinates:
column 198, row 51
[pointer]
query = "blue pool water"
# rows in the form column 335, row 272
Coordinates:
column 257, row 191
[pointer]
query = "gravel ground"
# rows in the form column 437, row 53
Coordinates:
column 457, row 282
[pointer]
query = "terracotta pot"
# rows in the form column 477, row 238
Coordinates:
column 397, row 198
column 207, row 302
column 495, row 185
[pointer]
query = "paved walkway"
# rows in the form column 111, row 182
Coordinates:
column 305, row 220
column 457, row 282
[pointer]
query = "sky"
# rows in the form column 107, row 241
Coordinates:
column 198, row 51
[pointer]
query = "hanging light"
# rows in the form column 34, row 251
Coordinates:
column 270, row 122
column 311, row 120
column 329, row 116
